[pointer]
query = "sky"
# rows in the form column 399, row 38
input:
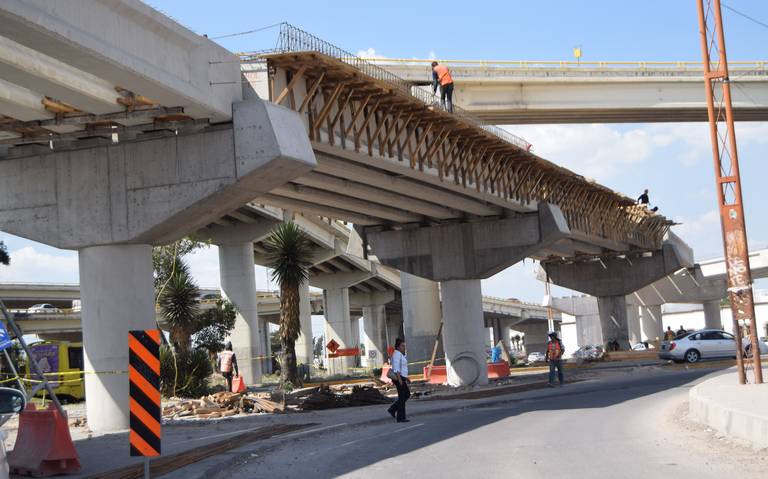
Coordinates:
column 673, row 160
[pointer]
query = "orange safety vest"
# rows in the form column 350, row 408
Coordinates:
column 555, row 350
column 443, row 75
column 226, row 361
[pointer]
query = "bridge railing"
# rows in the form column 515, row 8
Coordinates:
column 293, row 39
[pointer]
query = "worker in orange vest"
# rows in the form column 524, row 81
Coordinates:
column 442, row 76
column 228, row 362
column 554, row 357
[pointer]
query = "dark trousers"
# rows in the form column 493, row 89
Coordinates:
column 403, row 393
column 446, row 96
column 556, row 363
column 228, row 377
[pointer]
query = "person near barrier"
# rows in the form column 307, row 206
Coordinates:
column 227, row 364
column 554, row 357
column 441, row 77
column 399, row 375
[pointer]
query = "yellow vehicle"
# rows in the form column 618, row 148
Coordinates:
column 66, row 359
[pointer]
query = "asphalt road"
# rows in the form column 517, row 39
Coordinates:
column 632, row 428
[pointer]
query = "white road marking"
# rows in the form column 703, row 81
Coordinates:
column 380, row 435
column 324, row 428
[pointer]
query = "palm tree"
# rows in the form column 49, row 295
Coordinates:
column 4, row 258
column 516, row 339
column 288, row 254
column 180, row 306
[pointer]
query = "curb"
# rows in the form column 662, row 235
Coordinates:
column 705, row 409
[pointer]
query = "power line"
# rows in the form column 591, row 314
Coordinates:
column 752, row 19
column 246, row 32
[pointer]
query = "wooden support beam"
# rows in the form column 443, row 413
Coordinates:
column 291, row 84
column 311, row 92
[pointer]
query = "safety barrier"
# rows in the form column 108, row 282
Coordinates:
column 43, row 445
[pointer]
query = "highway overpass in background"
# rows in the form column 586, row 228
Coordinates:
column 523, row 92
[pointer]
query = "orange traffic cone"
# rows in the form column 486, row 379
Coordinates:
column 43, row 444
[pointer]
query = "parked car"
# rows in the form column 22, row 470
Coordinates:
column 643, row 346
column 43, row 308
column 701, row 344
column 12, row 401
column 536, row 357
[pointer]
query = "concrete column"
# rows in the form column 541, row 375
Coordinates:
column 464, row 332
column 536, row 338
column 652, row 326
column 633, row 324
column 305, row 345
column 588, row 330
column 355, row 340
column 238, row 284
column 338, row 327
column 613, row 319
column 505, row 335
column 117, row 295
column 421, row 316
column 712, row 318
column 393, row 331
column 374, row 323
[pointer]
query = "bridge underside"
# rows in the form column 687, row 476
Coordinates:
column 532, row 116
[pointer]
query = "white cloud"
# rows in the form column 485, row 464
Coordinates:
column 597, row 151
column 30, row 265
column 702, row 232
column 369, row 53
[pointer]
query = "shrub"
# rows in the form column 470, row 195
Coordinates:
column 194, row 368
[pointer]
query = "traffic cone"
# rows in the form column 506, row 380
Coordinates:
column 43, row 444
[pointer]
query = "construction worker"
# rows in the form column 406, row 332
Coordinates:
column 554, row 356
column 669, row 335
column 441, row 76
column 643, row 199
column 227, row 363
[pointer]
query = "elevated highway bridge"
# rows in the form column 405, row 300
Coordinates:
column 529, row 92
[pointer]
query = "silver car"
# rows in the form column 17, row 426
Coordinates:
column 702, row 344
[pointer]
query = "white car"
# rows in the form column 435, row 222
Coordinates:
column 748, row 346
column 43, row 308
column 701, row 344
column 536, row 357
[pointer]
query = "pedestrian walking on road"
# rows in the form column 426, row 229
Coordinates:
column 228, row 363
column 399, row 375
column 441, row 77
column 669, row 335
column 554, row 357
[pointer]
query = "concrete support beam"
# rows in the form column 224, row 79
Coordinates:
column 238, row 284
column 712, row 317
column 422, row 315
column 152, row 190
column 374, row 329
column 305, row 343
column 338, row 327
column 464, row 332
column 130, row 44
column 633, row 324
column 651, row 322
column 613, row 319
column 117, row 297
column 468, row 250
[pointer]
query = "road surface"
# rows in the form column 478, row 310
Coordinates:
column 629, row 428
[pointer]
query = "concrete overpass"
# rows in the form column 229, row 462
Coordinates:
column 523, row 92
column 705, row 283
column 124, row 130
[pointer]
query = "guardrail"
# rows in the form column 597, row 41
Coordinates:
column 550, row 64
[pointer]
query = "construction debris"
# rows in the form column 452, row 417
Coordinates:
column 222, row 404
column 225, row 404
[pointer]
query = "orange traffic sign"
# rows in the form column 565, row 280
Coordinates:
column 332, row 346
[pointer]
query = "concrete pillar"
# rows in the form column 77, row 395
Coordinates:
column 117, row 295
column 305, row 343
column 238, row 284
column 505, row 334
column 613, row 319
column 535, row 339
column 464, row 332
column 338, row 327
column 394, row 330
column 712, row 318
column 421, row 316
column 355, row 340
column 651, row 323
column 633, row 324
column 374, row 324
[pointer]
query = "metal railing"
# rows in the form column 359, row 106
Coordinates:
column 558, row 64
column 293, row 39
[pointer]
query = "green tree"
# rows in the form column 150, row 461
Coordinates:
column 288, row 254
column 214, row 325
column 4, row 257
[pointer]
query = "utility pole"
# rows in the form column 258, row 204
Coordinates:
column 727, row 180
